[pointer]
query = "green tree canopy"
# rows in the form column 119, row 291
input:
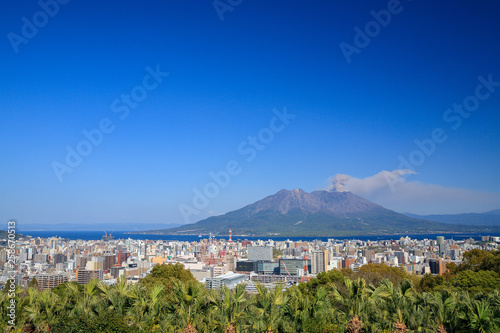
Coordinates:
column 482, row 281
column 481, row 260
column 374, row 273
column 167, row 274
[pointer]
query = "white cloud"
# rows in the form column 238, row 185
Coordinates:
column 392, row 190
column 370, row 184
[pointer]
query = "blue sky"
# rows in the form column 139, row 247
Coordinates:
column 225, row 79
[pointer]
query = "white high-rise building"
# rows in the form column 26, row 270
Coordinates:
column 319, row 261
column 260, row 253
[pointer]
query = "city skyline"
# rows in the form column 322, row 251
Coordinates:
column 121, row 112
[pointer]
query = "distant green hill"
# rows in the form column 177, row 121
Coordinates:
column 298, row 213
column 491, row 218
column 4, row 234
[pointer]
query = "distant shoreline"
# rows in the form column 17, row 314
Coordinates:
column 97, row 235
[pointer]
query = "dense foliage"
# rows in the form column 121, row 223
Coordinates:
column 167, row 275
column 377, row 298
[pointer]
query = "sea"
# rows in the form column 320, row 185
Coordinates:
column 96, row 235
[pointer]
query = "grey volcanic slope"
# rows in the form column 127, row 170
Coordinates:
column 332, row 203
column 298, row 213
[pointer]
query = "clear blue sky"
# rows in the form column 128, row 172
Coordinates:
column 225, row 78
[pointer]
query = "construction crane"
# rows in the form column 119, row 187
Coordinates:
column 306, row 276
column 106, row 237
column 286, row 268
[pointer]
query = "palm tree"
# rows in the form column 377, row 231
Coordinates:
column 186, row 305
column 322, row 314
column 71, row 294
column 22, row 299
column 443, row 307
column 353, row 301
column 267, row 307
column 493, row 299
column 297, row 309
column 29, row 328
column 88, row 305
column 398, row 301
column 228, row 308
column 43, row 309
column 480, row 317
column 399, row 326
column 117, row 298
column 190, row 329
column 355, row 325
column 147, row 306
column 441, row 329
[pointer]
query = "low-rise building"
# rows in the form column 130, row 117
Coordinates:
column 229, row 279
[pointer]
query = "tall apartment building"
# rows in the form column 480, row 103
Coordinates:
column 402, row 257
column 369, row 255
column 3, row 257
column 319, row 261
column 230, row 261
column 46, row 282
column 81, row 260
column 438, row 266
column 84, row 276
column 60, row 258
column 40, row 258
column 260, row 253
column 25, row 254
column 335, row 263
column 116, row 271
column 348, row 261
column 99, row 263
column 109, row 261
column 122, row 257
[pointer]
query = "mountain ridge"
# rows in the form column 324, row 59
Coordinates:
column 489, row 218
column 299, row 213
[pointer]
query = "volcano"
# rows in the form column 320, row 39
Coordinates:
column 319, row 213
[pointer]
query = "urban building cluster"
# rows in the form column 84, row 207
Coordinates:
column 218, row 262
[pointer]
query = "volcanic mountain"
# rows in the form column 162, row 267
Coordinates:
column 298, row 213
